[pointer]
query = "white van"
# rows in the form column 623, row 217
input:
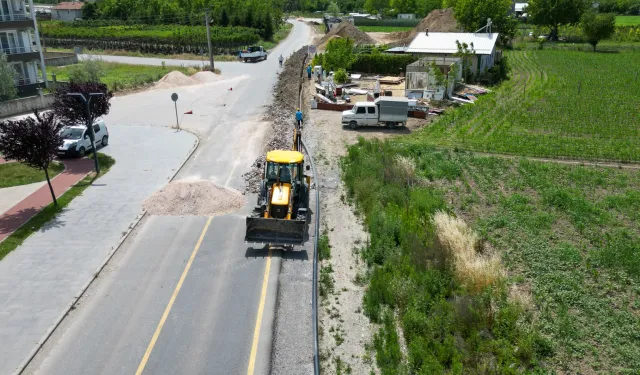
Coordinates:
column 77, row 142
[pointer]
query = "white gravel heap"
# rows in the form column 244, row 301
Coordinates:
column 193, row 198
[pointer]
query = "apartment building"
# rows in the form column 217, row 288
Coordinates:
column 19, row 41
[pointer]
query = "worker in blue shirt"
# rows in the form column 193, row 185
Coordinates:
column 299, row 117
column 309, row 72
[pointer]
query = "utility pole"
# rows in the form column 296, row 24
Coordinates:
column 92, row 134
column 208, row 21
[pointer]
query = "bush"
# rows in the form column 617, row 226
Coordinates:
column 91, row 70
column 340, row 76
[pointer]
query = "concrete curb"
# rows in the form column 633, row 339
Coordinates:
column 86, row 286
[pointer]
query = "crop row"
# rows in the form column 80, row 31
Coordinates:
column 557, row 104
column 176, row 35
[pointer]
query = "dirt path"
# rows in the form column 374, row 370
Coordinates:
column 345, row 330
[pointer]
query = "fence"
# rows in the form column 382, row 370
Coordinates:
column 387, row 22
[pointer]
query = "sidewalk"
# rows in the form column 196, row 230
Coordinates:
column 75, row 171
column 40, row 278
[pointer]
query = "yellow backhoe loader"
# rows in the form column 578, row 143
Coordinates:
column 281, row 216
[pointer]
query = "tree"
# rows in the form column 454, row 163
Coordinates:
column 553, row 13
column 224, row 18
column 439, row 79
column 466, row 52
column 7, row 79
column 72, row 111
column 597, row 26
column 333, row 8
column 89, row 11
column 376, row 6
column 267, row 31
column 32, row 141
column 473, row 15
column 339, row 54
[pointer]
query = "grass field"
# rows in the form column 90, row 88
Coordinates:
column 569, row 242
column 383, row 29
column 569, row 104
column 15, row 174
column 125, row 76
column 628, row 20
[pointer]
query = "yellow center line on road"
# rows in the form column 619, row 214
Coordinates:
column 165, row 315
column 256, row 331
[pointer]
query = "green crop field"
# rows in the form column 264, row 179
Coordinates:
column 628, row 20
column 571, row 104
column 568, row 238
column 383, row 29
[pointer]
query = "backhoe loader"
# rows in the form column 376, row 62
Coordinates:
column 281, row 216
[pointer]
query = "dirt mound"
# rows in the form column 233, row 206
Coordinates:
column 281, row 113
column 347, row 30
column 206, row 76
column 175, row 79
column 193, row 198
column 439, row 20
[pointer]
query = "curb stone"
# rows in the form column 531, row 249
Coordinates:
column 86, row 286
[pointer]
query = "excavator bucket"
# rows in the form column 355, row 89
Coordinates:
column 276, row 231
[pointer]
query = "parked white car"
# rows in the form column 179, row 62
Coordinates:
column 77, row 141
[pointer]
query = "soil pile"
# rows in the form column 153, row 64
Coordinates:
column 439, row 20
column 175, row 79
column 207, row 76
column 193, row 198
column 281, row 113
column 347, row 30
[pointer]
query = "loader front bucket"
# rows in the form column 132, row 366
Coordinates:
column 276, row 231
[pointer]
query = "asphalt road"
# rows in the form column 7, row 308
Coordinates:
column 185, row 295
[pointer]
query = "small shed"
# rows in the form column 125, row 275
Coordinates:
column 420, row 82
column 442, row 45
column 67, row 11
column 406, row 16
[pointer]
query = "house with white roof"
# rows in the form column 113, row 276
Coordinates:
column 433, row 44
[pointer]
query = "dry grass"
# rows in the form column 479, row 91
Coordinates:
column 474, row 270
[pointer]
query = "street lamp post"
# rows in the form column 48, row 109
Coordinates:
column 92, row 134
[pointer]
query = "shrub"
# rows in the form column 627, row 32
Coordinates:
column 88, row 71
column 340, row 76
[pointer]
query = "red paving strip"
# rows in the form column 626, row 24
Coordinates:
column 75, row 171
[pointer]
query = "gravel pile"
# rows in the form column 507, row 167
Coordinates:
column 347, row 30
column 193, row 198
column 281, row 113
column 175, row 79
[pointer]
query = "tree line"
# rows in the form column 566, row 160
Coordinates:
column 262, row 15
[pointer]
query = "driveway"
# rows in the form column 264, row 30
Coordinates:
column 186, row 295
column 40, row 278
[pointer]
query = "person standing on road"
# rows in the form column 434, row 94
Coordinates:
column 309, row 71
column 299, row 117
column 281, row 59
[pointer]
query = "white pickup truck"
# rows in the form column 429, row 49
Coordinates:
column 254, row 53
column 388, row 110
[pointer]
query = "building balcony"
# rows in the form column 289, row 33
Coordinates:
column 17, row 54
column 15, row 21
column 28, row 86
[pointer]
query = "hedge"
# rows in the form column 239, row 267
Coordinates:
column 382, row 63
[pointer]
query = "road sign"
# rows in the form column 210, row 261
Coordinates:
column 174, row 97
column 311, row 50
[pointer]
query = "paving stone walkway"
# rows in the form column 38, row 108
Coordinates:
column 40, row 278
